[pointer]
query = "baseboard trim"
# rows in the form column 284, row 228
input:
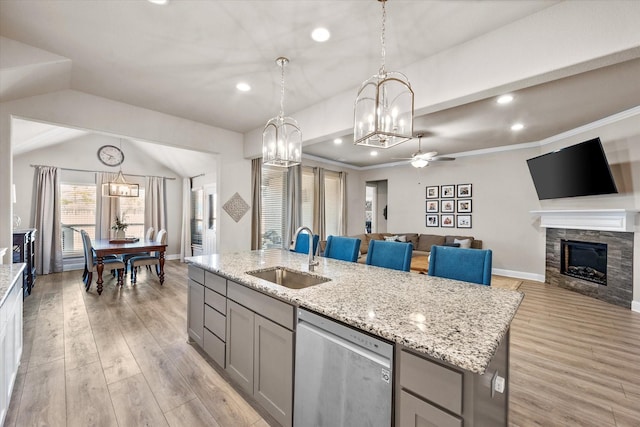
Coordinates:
column 635, row 306
column 518, row 274
column 172, row 257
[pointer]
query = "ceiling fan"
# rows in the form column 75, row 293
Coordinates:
column 420, row 159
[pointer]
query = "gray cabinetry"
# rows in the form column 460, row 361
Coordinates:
column 434, row 393
column 195, row 319
column 260, row 350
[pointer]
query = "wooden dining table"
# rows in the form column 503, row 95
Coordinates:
column 106, row 247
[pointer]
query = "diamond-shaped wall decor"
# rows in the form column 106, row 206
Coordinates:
column 236, row 207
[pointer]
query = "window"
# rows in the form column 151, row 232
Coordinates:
column 197, row 216
column 274, row 194
column 78, row 212
column 332, row 203
column 132, row 211
column 308, row 197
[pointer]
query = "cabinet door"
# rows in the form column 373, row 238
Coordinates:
column 195, row 320
column 273, row 374
column 415, row 412
column 240, row 345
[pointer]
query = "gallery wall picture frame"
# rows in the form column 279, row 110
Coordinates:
column 464, row 206
column 463, row 221
column 432, row 206
column 433, row 192
column 432, row 221
column 447, row 191
column 447, row 206
column 447, row 220
column 464, row 190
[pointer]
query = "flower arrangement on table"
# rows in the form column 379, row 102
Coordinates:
column 119, row 226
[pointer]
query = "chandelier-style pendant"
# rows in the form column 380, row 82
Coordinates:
column 383, row 111
column 281, row 137
column 120, row 188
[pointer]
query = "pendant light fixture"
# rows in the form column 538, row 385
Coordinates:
column 281, row 137
column 120, row 187
column 383, row 111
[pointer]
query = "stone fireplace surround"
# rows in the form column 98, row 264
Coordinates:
column 614, row 227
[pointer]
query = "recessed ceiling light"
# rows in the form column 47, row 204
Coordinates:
column 337, row 141
column 159, row 1
column 505, row 99
column 243, row 87
column 320, row 34
column 374, row 153
column 517, row 126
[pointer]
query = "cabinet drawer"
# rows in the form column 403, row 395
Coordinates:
column 215, row 282
column 214, row 347
column 271, row 308
column 415, row 412
column 434, row 382
column 196, row 274
column 215, row 300
column 215, row 322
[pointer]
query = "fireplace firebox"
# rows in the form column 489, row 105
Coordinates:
column 584, row 260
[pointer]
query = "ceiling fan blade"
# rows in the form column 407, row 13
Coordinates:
column 441, row 159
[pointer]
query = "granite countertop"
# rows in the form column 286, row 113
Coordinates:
column 453, row 321
column 9, row 273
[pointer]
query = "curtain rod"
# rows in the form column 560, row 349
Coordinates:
column 86, row 170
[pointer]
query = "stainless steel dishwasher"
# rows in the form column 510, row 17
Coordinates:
column 343, row 377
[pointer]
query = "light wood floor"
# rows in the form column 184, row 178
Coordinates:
column 121, row 359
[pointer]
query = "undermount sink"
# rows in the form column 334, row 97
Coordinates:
column 288, row 278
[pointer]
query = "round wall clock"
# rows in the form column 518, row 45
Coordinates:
column 110, row 155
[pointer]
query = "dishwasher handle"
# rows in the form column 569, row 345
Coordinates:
column 351, row 346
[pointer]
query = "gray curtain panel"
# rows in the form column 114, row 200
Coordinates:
column 342, row 219
column 155, row 206
column 319, row 221
column 294, row 203
column 256, row 203
column 185, row 236
column 106, row 207
column 46, row 219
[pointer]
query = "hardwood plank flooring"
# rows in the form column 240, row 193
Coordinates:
column 121, row 359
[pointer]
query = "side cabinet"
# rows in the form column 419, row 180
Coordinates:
column 434, row 393
column 195, row 304
column 260, row 349
column 10, row 344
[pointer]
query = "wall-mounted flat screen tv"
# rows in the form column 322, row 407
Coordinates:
column 578, row 170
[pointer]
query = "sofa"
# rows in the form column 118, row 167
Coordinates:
column 421, row 242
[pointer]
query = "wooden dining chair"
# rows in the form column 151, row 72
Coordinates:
column 148, row 260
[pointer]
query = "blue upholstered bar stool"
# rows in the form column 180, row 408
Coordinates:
column 301, row 245
column 342, row 248
column 468, row 265
column 395, row 255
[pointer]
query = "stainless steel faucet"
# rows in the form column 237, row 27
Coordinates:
column 312, row 261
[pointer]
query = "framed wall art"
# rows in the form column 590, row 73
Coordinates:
column 448, row 206
column 433, row 192
column 464, row 190
column 447, row 221
column 432, row 220
column 447, row 191
column 464, row 206
column 464, row 221
column 432, row 206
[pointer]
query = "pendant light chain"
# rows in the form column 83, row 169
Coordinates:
column 282, row 61
column 382, row 71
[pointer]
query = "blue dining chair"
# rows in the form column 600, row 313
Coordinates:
column 395, row 255
column 342, row 248
column 468, row 265
column 302, row 243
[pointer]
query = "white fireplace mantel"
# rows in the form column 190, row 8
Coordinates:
column 593, row 219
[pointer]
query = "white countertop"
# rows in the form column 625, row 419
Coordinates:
column 453, row 321
column 9, row 274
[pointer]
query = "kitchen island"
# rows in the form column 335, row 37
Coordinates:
column 450, row 337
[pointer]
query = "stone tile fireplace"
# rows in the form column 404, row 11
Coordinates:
column 591, row 252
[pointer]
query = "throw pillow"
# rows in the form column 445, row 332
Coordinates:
column 401, row 238
column 466, row 243
column 454, row 245
column 391, row 238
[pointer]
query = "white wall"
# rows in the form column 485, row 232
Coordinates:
column 80, row 153
column 83, row 111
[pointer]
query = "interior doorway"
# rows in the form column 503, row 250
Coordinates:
column 375, row 210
